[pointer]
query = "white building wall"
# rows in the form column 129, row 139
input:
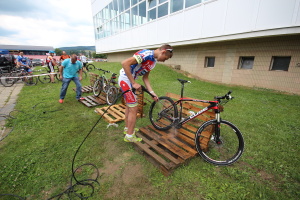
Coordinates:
column 214, row 20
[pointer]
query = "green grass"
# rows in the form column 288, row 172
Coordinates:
column 36, row 158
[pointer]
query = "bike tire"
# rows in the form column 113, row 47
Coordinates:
column 90, row 67
column 8, row 81
column 57, row 76
column 84, row 74
column 97, row 87
column 30, row 80
column 163, row 113
column 111, row 95
column 44, row 79
column 225, row 152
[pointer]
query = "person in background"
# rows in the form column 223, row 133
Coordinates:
column 140, row 64
column 69, row 70
column 51, row 62
column 83, row 60
column 23, row 62
column 63, row 57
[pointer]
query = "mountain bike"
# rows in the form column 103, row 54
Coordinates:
column 217, row 141
column 102, row 84
column 11, row 78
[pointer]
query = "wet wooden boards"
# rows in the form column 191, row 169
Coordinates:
column 168, row 150
column 92, row 101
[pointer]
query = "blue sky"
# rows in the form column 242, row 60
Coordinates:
column 57, row 23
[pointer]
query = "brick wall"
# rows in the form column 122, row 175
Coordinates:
column 227, row 54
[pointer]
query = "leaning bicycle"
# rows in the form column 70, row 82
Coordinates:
column 11, row 78
column 102, row 84
column 217, row 141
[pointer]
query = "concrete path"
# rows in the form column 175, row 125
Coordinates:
column 8, row 98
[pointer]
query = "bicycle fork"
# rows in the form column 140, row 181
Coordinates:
column 217, row 128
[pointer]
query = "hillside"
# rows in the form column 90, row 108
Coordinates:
column 78, row 48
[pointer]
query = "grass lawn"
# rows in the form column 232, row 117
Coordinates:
column 36, row 158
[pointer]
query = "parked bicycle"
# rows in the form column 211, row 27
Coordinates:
column 11, row 78
column 224, row 141
column 102, row 84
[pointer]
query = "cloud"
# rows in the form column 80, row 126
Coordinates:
column 54, row 23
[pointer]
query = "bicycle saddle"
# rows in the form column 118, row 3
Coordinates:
column 183, row 81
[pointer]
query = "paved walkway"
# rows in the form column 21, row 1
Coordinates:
column 8, row 98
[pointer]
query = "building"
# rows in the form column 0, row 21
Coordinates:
column 254, row 43
column 27, row 50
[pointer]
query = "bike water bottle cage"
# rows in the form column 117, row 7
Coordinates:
column 183, row 81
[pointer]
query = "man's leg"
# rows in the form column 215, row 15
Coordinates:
column 65, row 85
column 78, row 87
column 131, row 119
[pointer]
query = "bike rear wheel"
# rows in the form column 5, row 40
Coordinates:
column 44, row 79
column 111, row 95
column 97, row 87
column 90, row 67
column 9, row 79
column 227, row 150
column 163, row 113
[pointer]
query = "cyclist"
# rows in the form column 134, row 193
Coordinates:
column 51, row 62
column 82, row 59
column 140, row 64
column 63, row 57
column 22, row 62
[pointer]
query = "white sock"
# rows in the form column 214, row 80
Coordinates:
column 129, row 136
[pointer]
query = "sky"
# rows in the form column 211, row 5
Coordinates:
column 56, row 23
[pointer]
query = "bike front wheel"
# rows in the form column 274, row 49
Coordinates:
column 97, row 87
column 163, row 113
column 219, row 144
column 30, row 80
column 111, row 95
column 90, row 67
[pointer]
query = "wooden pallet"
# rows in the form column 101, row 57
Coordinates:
column 92, row 101
column 85, row 89
column 170, row 149
column 114, row 114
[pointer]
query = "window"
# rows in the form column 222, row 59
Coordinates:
column 189, row 3
column 152, row 3
column 133, row 2
column 152, row 14
column 176, row 5
column 280, row 63
column 126, row 4
column 162, row 10
column 209, row 61
column 121, row 5
column 142, row 12
column 246, row 62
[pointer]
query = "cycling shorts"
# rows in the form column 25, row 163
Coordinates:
column 130, row 97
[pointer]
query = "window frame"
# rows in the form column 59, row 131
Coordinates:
column 206, row 61
column 272, row 63
column 241, row 60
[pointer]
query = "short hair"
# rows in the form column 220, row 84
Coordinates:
column 167, row 47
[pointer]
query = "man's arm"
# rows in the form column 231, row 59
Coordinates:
column 126, row 66
column 148, row 85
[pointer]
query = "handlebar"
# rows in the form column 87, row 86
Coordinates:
column 226, row 96
column 105, row 71
column 145, row 90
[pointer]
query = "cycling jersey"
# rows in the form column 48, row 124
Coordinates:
column 145, row 63
column 22, row 60
column 50, row 65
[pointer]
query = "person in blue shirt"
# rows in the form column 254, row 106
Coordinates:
column 22, row 62
column 70, row 70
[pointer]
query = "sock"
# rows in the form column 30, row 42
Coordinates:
column 129, row 136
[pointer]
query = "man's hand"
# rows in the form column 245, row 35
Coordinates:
column 80, row 78
column 155, row 98
column 137, row 86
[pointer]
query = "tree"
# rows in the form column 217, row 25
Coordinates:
column 58, row 52
column 99, row 55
